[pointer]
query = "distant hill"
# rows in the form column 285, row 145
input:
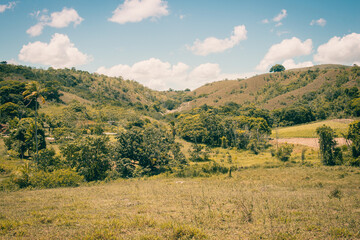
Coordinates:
column 276, row 90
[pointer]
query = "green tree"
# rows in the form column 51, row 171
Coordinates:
column 90, row 157
column 277, row 68
column 34, row 92
column 22, row 138
column 8, row 111
column 330, row 155
column 150, row 150
column 354, row 135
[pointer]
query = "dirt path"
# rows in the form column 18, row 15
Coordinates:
column 310, row 142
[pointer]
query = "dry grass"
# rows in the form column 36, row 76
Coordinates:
column 340, row 127
column 279, row 203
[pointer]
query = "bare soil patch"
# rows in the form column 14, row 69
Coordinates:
column 310, row 142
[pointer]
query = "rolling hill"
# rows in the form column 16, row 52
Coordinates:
column 277, row 90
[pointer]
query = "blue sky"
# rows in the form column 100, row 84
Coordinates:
column 179, row 43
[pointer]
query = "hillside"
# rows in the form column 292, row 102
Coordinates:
column 93, row 88
column 277, row 90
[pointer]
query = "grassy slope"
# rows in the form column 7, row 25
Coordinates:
column 244, row 91
column 272, row 203
column 340, row 127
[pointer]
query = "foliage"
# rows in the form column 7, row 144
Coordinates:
column 146, row 151
column 22, row 138
column 283, row 153
column 210, row 128
column 28, row 177
column 330, row 155
column 354, row 135
column 90, row 157
column 198, row 153
column 277, row 68
column 47, row 161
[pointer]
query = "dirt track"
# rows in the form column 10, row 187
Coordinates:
column 310, row 142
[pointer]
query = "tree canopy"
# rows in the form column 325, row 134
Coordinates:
column 277, row 68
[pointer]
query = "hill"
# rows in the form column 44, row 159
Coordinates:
column 93, row 88
column 278, row 90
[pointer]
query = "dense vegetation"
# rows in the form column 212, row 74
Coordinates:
column 57, row 122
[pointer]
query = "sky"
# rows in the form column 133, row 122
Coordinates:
column 179, row 44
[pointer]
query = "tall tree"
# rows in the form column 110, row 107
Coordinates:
column 34, row 92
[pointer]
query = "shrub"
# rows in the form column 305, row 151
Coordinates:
column 57, row 178
column 284, row 152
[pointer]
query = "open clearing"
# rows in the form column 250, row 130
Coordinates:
column 340, row 127
column 288, row 202
column 309, row 142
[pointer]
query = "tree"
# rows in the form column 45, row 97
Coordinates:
column 277, row 68
column 354, row 135
column 22, row 137
column 89, row 156
column 149, row 150
column 330, row 155
column 33, row 93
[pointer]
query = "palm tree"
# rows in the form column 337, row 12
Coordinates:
column 34, row 92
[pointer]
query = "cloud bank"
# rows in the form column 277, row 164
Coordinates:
column 345, row 50
column 160, row 75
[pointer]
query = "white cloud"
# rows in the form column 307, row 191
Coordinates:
column 278, row 24
column 138, row 10
column 290, row 64
column 59, row 53
column 321, row 22
column 12, row 61
column 4, row 7
column 265, row 21
column 160, row 75
column 56, row 19
column 182, row 17
column 280, row 16
column 35, row 30
column 287, row 49
column 345, row 50
column 65, row 18
column 215, row 45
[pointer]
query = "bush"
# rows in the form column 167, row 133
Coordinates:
column 57, row 178
column 284, row 152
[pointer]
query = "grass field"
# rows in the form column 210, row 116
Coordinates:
column 264, row 199
column 295, row 202
column 309, row 130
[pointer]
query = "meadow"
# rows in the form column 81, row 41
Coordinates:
column 286, row 202
column 308, row 130
column 262, row 199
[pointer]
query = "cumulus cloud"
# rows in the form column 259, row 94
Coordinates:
column 160, row 75
column 215, row 45
column 287, row 49
column 290, row 64
column 56, row 19
column 4, row 7
column 280, row 16
column 138, row 10
column 321, row 22
column 345, row 50
column 60, row 52
column 265, row 21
